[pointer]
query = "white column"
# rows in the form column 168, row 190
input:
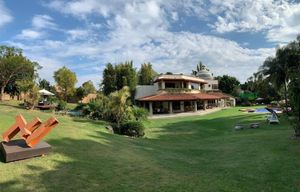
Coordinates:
column 182, row 106
column 205, row 104
column 195, row 106
column 150, row 108
column 170, row 107
column 163, row 85
column 189, row 85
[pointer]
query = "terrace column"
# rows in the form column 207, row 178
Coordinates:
column 150, row 108
column 195, row 106
column 182, row 106
column 170, row 107
column 205, row 104
column 163, row 85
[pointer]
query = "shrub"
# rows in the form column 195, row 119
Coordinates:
column 61, row 105
column 140, row 113
column 132, row 128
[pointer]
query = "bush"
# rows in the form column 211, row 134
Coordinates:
column 140, row 113
column 132, row 128
column 61, row 105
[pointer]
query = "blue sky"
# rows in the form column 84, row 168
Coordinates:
column 229, row 36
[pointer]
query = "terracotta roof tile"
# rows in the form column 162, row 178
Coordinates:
column 180, row 97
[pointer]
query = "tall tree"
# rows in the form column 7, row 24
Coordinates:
column 118, row 76
column 85, row 89
column 44, row 84
column 126, row 76
column 227, row 84
column 14, row 67
column 66, row 80
column 88, row 87
column 276, row 70
column 200, row 67
column 109, row 79
column 146, row 74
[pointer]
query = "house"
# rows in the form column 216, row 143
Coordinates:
column 176, row 93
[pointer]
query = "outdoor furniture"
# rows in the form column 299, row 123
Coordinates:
column 273, row 118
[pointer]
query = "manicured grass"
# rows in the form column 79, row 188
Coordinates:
column 201, row 153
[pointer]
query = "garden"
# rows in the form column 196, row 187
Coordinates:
column 197, row 153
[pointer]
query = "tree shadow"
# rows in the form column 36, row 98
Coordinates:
column 175, row 159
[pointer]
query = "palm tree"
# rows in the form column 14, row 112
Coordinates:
column 118, row 104
column 200, row 67
column 276, row 70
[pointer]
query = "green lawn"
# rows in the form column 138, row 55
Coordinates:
column 182, row 154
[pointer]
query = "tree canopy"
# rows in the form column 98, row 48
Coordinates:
column 227, row 84
column 115, row 77
column 66, row 80
column 146, row 74
column 15, row 67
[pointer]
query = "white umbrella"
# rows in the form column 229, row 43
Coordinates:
column 45, row 92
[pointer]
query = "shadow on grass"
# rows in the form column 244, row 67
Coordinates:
column 172, row 161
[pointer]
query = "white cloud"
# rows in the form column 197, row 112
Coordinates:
column 29, row 34
column 43, row 21
column 4, row 14
column 39, row 25
column 140, row 31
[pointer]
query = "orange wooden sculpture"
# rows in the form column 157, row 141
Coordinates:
column 31, row 132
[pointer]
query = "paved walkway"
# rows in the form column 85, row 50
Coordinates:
column 174, row 115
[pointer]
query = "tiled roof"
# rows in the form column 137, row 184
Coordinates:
column 221, row 94
column 180, row 97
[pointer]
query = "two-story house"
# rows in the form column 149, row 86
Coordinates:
column 180, row 93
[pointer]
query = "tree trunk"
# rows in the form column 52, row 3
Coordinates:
column 2, row 93
column 286, row 98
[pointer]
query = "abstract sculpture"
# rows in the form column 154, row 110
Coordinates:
column 31, row 133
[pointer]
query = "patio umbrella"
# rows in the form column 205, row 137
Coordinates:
column 44, row 92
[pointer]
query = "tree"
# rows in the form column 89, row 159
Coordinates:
column 276, row 70
column 32, row 97
column 118, row 76
column 44, row 84
column 119, row 108
column 146, row 74
column 200, row 67
column 14, row 67
column 88, row 87
column 227, row 84
column 126, row 76
column 109, row 79
column 85, row 89
column 66, row 80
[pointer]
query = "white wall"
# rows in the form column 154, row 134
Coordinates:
column 145, row 90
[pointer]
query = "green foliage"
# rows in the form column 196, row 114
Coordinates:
column 25, row 85
column 227, row 84
column 146, row 74
column 97, row 108
column 15, row 67
column 200, row 67
column 61, row 105
column 32, row 97
column 66, row 80
column 133, row 128
column 85, row 89
column 44, row 84
column 119, row 109
column 109, row 79
column 140, row 113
